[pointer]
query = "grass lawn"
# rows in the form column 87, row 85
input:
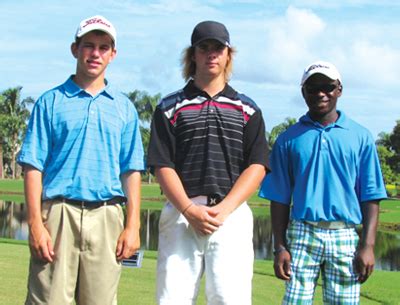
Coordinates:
column 137, row 286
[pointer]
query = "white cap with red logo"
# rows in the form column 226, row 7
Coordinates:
column 98, row 23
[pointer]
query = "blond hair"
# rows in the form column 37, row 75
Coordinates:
column 189, row 66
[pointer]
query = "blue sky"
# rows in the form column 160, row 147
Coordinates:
column 275, row 41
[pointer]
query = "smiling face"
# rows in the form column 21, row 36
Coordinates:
column 211, row 58
column 321, row 94
column 93, row 52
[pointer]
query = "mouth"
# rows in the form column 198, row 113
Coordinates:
column 93, row 63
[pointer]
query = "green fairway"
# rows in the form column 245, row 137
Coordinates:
column 137, row 285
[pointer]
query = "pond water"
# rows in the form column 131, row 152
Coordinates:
column 13, row 225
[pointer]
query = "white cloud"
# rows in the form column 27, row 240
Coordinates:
column 287, row 43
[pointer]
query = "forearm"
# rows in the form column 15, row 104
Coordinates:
column 370, row 213
column 280, row 220
column 244, row 187
column 131, row 184
column 33, row 194
column 173, row 188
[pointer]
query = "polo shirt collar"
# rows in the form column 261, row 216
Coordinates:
column 341, row 122
column 191, row 91
column 72, row 89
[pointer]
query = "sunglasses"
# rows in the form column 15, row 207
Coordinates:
column 313, row 89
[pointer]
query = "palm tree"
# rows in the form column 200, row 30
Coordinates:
column 14, row 114
column 278, row 129
column 145, row 105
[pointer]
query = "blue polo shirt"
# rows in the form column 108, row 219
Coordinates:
column 82, row 143
column 326, row 172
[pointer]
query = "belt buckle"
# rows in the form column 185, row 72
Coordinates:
column 332, row 225
column 213, row 200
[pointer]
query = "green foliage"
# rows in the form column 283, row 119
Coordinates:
column 389, row 154
column 278, row 129
column 14, row 115
column 385, row 156
column 145, row 105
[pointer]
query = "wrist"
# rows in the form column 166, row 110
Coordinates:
column 186, row 208
column 280, row 249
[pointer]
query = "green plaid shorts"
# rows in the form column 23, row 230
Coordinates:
column 326, row 251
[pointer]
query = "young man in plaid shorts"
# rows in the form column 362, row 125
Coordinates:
column 325, row 179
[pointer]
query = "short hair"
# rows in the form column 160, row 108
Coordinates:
column 98, row 33
column 189, row 66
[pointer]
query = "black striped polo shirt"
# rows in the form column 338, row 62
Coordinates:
column 209, row 141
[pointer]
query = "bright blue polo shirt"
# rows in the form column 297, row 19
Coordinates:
column 83, row 143
column 326, row 171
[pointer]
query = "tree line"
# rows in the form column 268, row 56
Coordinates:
column 14, row 115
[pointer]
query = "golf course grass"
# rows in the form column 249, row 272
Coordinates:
column 137, row 285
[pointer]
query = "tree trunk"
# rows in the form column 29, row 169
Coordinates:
column 13, row 153
column 1, row 160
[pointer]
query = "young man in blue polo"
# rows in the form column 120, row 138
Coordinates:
column 208, row 149
column 82, row 155
column 325, row 180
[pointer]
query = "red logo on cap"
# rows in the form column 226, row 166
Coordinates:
column 96, row 20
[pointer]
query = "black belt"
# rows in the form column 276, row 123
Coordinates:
column 90, row 204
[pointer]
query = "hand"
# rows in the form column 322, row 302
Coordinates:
column 40, row 242
column 203, row 219
column 128, row 243
column 364, row 263
column 282, row 265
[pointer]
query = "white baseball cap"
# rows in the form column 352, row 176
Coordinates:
column 321, row 67
column 98, row 23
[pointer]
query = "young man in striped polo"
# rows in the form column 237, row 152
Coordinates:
column 82, row 155
column 325, row 179
column 209, row 153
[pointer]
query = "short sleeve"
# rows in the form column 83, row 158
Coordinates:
column 255, row 142
column 277, row 184
column 161, row 152
column 370, row 185
column 36, row 147
column 131, row 154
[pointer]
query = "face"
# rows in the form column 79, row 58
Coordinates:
column 211, row 58
column 93, row 53
column 321, row 94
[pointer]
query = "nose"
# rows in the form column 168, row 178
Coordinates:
column 212, row 53
column 95, row 51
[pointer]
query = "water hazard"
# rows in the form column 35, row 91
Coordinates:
column 13, row 225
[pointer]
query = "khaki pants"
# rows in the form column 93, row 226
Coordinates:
column 85, row 268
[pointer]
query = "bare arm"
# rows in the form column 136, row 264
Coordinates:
column 247, row 183
column 365, row 258
column 280, row 220
column 129, row 240
column 201, row 218
column 39, row 238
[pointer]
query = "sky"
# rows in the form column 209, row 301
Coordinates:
column 275, row 41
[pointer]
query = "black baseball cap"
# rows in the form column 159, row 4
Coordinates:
column 210, row 30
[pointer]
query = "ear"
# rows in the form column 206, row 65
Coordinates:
column 340, row 90
column 74, row 49
column 113, row 54
column 303, row 92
